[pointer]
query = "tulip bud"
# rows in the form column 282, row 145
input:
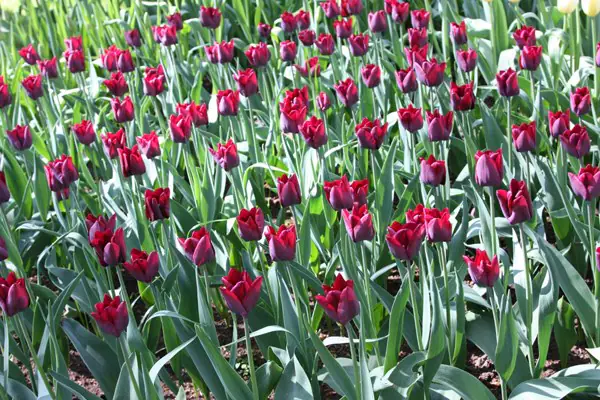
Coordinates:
column 339, row 193
column 437, row 225
column 142, row 266
column 458, row 33
column 430, row 73
column 240, row 292
column 466, row 59
column 330, row 8
column 325, row 44
column 489, row 168
column 198, row 248
column 33, row 86
column 311, row 68
column 340, row 302
column 13, row 294
column 125, row 62
column 3, row 250
column 264, row 30
column 416, row 55
column 524, row 137
column 508, row 83
column 377, row 21
column 433, row 172
column 347, row 92
column 417, row 37
column 483, row 272
column 398, row 10
column 343, row 28
column 247, row 83
column 197, row 112
column 20, row 137
column 288, row 190
column 175, row 21
column 323, row 101
column 439, row 126
column 210, row 17
column 576, row 141
column 75, row 60
column 4, row 192
column 29, row 55
column 313, row 132
column 48, row 68
column 419, row 19
column 566, row 6
column 251, row 224
column 122, row 110
column 411, row 118
column 109, row 58
column 371, row 75
column 581, row 101
column 149, row 145
column 303, row 19
column 591, row 8
column 558, row 122
column 226, row 155
column 292, row 114
column 84, row 131
column 165, row 35
column 359, row 223
column 60, row 173
column 220, row 53
column 288, row 22
column 132, row 38
column 351, row 7
column 359, row 44
column 228, row 102
column 406, row 79
column 74, row 43
column 515, row 203
column 131, row 161
column 112, row 142
column 158, row 204
column 530, row 58
column 111, row 315
column 307, row 37
column 109, row 246
column 525, row 36
column 370, row 134
column 586, row 183
column 116, row 85
column 360, row 191
column 154, row 81
column 404, row 240
column 287, row 51
column 100, row 223
column 5, row 98
column 282, row 243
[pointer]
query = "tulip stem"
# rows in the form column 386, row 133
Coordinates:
column 594, row 42
column 595, row 271
column 255, row 393
column 6, row 352
column 442, row 259
column 125, row 295
column 529, row 295
column 354, row 359
column 413, row 301
column 492, row 219
column 509, row 137
column 134, row 382
column 491, row 299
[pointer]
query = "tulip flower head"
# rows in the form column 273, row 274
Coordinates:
column 483, row 271
column 158, row 203
column 198, row 248
column 13, row 294
column 340, row 302
column 240, row 292
column 111, row 315
column 142, row 266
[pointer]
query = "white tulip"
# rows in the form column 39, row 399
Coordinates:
column 591, row 8
column 566, row 6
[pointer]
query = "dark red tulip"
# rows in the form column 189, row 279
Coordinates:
column 112, row 142
column 360, row 191
column 483, row 272
column 351, row 7
column 310, row 69
column 240, row 292
column 74, row 43
column 462, row 97
column 419, row 18
column 111, row 315
column 411, row 118
column 226, row 155
column 524, row 136
column 576, row 141
column 75, row 60
column 60, row 173
column 5, row 98
column 303, row 19
column 100, row 223
column 433, row 172
column 307, row 37
column 33, row 86
column 439, row 126
column 116, row 85
column 109, row 246
column 597, row 65
column 524, row 36
column 586, row 183
column 264, row 30
column 4, row 192
column 343, row 28
column 330, row 9
column 371, row 75
column 377, row 21
column 258, row 55
column 288, row 190
column 292, row 112
column 20, row 137
column 251, row 224
column 325, row 44
column 458, row 33
column 282, row 242
column 142, row 266
column 220, row 53
column 158, row 204
column 406, row 79
column 148, row 144
column 323, row 101
column 288, row 22
column 417, row 37
column 228, row 102
column 131, row 161
column 247, row 83
column 13, row 294
column 29, row 55
column 404, row 240
column 125, row 62
column 347, row 92
column 489, row 168
column 210, row 17
column 438, row 227
column 370, row 134
column 48, row 68
column 466, row 59
column 508, row 83
column 198, row 248
column 416, row 215
column 339, row 193
column 287, row 51
column 313, row 132
column 598, row 258
column 530, row 58
column 558, row 122
column 359, row 44
column 132, row 38
column 109, row 58
column 340, row 302
column 122, row 110
column 359, row 223
column 398, row 10
column 515, row 203
column 430, row 73
column 154, row 81
column 296, row 94
column 3, row 250
column 180, row 126
column 175, row 20
column 416, row 55
column 581, row 101
column 197, row 112
column 165, row 34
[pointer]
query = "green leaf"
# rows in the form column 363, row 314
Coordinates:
column 294, row 383
column 166, row 358
column 554, row 388
column 267, row 376
column 396, row 327
column 507, row 348
column 463, row 383
column 72, row 387
column 405, row 374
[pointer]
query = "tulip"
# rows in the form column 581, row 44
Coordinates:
column 125, row 62
column 417, row 37
column 210, row 17
column 48, row 68
column 4, row 192
column 220, row 53
column 5, row 98
column 530, row 58
column 158, row 205
column 430, row 73
column 411, row 118
column 330, row 9
column 109, row 58
column 258, row 55
column 359, row 44
column 13, row 295
column 303, row 19
column 122, row 110
column 377, row 21
column 75, row 60
column 97, row 224
column 347, row 92
column 228, row 102
column 288, row 22
column 508, row 83
column 165, row 35
column 404, row 240
column 307, row 37
column 142, row 266
column 3, row 250
column 359, row 223
column 591, row 8
column 292, row 114
column 198, row 248
column 251, row 224
column 406, row 79
column 351, row 7
column 264, row 30
column 466, row 59
column 399, row 11
column 343, row 28
column 586, row 183
column 581, row 101
column 483, row 271
column 566, row 6
column 247, row 83
column 325, row 44
column 433, row 172
column 439, row 126
column 558, row 122
column 515, row 203
column 154, row 81
column 323, row 101
column 109, row 246
column 288, row 190
column 524, row 36
column 197, row 112
column 132, row 38
column 175, row 20
column 298, row 95
column 437, row 225
column 339, row 193
column 20, row 137
column 598, row 258
column 111, row 315
column 416, row 215
column 313, row 132
column 60, row 173
column 311, row 68
column 74, row 43
column 29, row 55
column 419, row 19
column 416, row 55
column 576, row 141
column 598, row 54
column 240, row 292
column 371, row 75
column 488, row 168
column 282, row 243
column 360, row 191
column 340, row 302
column 287, row 51
column 131, row 161
column 370, row 134
column 33, row 86
column 226, row 155
column 524, row 137
column 148, row 144
column 458, row 33
column 116, row 85
column 112, row 142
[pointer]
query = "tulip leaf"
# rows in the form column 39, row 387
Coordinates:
column 294, row 383
column 554, row 388
column 507, row 348
column 462, row 383
column 396, row 327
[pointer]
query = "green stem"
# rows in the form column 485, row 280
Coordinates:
column 490, row 295
column 36, row 360
column 594, row 41
column 493, row 220
column 595, row 272
column 134, row 382
column 529, row 295
column 413, row 301
column 442, row 258
column 6, row 352
column 367, row 284
column 255, row 393
column 354, row 360
column 509, row 137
